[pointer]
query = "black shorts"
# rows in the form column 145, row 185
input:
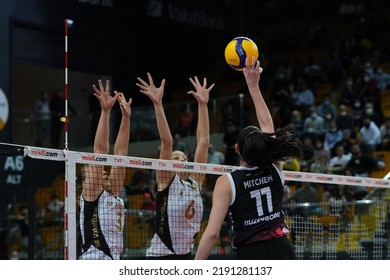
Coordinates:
column 280, row 248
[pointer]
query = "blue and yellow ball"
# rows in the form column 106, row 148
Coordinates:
column 238, row 50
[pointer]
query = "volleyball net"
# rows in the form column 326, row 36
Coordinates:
column 329, row 216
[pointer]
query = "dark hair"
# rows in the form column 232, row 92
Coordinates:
column 262, row 149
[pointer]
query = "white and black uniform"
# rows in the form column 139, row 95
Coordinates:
column 256, row 206
column 179, row 210
column 101, row 225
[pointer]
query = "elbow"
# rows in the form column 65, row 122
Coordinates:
column 203, row 142
column 211, row 235
column 167, row 141
column 100, row 149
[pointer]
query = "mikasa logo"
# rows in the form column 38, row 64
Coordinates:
column 183, row 15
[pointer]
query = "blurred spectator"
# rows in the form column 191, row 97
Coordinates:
column 360, row 164
column 320, row 149
column 375, row 114
column 348, row 93
column 382, row 79
column 298, row 123
column 54, row 210
column 339, row 162
column 308, row 150
column 367, row 90
column 346, row 141
column 311, row 65
column 148, row 203
column 365, row 148
column 180, row 145
column 344, row 119
column 215, row 156
column 369, row 70
column 306, row 193
column 304, row 97
column 320, row 164
column 385, row 135
column 326, row 109
column 309, row 131
column 314, row 122
column 42, row 118
column 370, row 132
column 333, row 136
column 357, row 113
column 186, row 125
column 18, row 235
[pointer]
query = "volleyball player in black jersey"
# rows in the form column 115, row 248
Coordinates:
column 253, row 193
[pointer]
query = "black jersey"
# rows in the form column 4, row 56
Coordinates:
column 256, row 207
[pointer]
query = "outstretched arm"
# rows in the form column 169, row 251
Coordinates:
column 156, row 94
column 94, row 173
column 201, row 95
column 121, row 146
column 221, row 200
column 252, row 76
column 101, row 143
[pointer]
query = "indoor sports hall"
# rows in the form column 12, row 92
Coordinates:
column 338, row 56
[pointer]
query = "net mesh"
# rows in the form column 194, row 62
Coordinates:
column 326, row 225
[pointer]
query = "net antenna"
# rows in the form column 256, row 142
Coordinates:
column 68, row 23
column 68, row 208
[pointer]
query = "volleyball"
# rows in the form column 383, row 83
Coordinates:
column 238, row 50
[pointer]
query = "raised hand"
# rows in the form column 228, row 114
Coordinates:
column 202, row 91
column 252, row 72
column 123, row 104
column 103, row 95
column 150, row 90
